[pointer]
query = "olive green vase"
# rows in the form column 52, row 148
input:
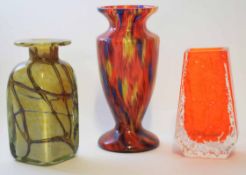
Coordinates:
column 43, row 106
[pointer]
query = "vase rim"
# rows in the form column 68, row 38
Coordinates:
column 127, row 7
column 42, row 42
column 208, row 49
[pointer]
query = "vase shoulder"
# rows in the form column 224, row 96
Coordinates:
column 119, row 35
column 56, row 77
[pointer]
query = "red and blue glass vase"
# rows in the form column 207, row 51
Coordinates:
column 128, row 56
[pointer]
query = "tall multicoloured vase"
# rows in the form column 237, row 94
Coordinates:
column 206, row 120
column 127, row 56
column 43, row 106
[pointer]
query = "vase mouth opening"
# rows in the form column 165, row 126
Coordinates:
column 128, row 7
column 41, row 42
column 208, row 49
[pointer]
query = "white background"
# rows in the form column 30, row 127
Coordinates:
column 181, row 24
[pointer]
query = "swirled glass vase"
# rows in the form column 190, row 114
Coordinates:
column 127, row 56
column 43, row 106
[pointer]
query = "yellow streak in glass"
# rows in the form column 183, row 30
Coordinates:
column 108, row 68
column 128, row 47
column 137, row 11
column 140, row 114
column 134, row 94
column 116, row 18
column 125, row 89
column 144, row 51
column 129, row 42
column 129, row 24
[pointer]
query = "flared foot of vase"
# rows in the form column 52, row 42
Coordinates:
column 128, row 141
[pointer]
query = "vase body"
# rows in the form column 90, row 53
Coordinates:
column 127, row 56
column 206, row 120
column 43, row 106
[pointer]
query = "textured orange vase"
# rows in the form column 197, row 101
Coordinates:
column 206, row 120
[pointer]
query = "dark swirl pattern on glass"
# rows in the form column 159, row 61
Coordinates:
column 43, row 106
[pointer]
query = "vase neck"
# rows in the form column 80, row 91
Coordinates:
column 127, row 18
column 43, row 49
column 127, row 22
column 46, row 53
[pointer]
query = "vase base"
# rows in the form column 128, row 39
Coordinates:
column 47, row 163
column 128, row 141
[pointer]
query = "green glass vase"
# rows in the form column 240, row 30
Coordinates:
column 43, row 106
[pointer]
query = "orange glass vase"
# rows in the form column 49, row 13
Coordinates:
column 206, row 120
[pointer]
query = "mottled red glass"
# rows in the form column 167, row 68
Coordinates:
column 206, row 123
column 127, row 56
